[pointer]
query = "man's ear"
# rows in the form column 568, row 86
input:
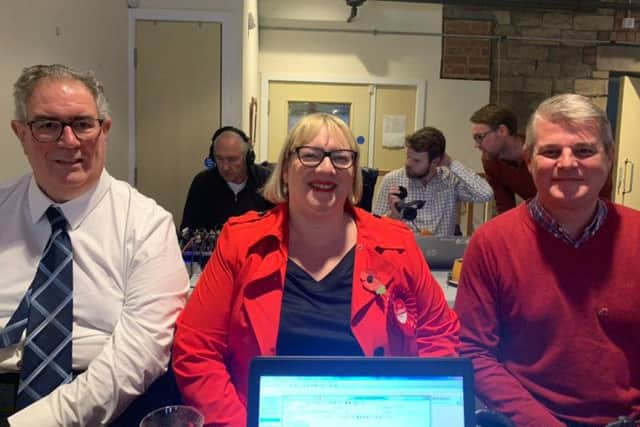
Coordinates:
column 19, row 129
column 106, row 126
column 527, row 156
column 611, row 156
column 502, row 130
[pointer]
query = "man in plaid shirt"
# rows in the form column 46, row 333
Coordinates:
column 431, row 176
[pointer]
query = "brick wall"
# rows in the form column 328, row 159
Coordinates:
column 466, row 57
column 618, row 33
column 534, row 54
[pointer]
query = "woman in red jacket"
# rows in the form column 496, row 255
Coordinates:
column 313, row 276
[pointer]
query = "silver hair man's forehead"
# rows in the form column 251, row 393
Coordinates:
column 572, row 109
column 31, row 76
column 243, row 144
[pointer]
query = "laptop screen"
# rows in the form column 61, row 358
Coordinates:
column 374, row 392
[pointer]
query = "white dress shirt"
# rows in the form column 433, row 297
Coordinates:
column 448, row 186
column 129, row 284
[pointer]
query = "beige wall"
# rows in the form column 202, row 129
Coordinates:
column 251, row 42
column 93, row 34
column 88, row 34
column 336, row 55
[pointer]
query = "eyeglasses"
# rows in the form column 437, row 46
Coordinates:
column 479, row 137
column 227, row 160
column 313, row 156
column 49, row 130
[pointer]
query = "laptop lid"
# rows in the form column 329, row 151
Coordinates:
column 441, row 251
column 290, row 391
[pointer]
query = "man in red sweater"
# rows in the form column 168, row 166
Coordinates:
column 549, row 296
column 494, row 130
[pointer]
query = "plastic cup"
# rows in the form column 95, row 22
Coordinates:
column 173, row 416
column 456, row 270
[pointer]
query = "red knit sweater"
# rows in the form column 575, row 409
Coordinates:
column 508, row 179
column 554, row 331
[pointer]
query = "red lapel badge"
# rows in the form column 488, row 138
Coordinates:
column 402, row 306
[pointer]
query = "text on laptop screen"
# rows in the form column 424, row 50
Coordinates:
column 338, row 401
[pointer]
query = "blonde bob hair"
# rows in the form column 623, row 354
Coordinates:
column 275, row 190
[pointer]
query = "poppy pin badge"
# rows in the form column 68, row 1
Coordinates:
column 372, row 283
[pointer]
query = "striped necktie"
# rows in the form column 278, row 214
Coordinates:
column 46, row 310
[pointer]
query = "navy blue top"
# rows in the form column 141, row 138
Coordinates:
column 315, row 319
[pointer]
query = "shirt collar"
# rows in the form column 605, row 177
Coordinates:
column 542, row 217
column 236, row 188
column 74, row 210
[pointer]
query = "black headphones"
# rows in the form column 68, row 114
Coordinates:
column 250, row 157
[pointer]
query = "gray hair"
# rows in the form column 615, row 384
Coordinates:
column 244, row 144
column 573, row 110
column 31, row 76
column 302, row 133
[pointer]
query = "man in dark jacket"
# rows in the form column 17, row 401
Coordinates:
column 230, row 188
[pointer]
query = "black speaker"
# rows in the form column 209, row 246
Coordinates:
column 210, row 161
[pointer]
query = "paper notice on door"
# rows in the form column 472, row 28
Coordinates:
column 393, row 131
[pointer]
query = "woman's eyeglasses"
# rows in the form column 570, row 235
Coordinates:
column 313, row 156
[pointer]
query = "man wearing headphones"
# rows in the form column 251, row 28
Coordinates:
column 229, row 186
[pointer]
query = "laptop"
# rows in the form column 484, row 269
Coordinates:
column 290, row 391
column 441, row 251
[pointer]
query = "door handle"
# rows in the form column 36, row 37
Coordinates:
column 630, row 163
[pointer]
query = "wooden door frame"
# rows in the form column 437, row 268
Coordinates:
column 230, row 106
column 268, row 78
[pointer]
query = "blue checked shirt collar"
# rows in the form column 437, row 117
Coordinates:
column 543, row 218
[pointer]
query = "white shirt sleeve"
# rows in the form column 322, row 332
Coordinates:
column 137, row 350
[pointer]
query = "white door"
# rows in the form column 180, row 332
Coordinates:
column 177, row 106
column 284, row 96
column 390, row 103
column 395, row 105
column 627, row 186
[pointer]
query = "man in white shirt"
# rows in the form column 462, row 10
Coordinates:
column 129, row 281
column 433, row 183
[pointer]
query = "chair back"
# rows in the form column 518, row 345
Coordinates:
column 369, row 178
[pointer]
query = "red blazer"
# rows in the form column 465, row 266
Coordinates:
column 233, row 314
